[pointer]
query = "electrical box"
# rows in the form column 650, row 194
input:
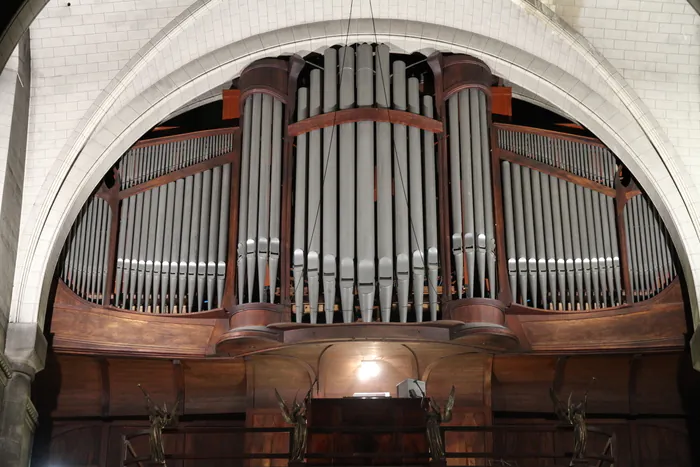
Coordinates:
column 410, row 388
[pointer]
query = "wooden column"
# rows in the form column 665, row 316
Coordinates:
column 111, row 197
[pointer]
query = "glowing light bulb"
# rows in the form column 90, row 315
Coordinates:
column 368, row 369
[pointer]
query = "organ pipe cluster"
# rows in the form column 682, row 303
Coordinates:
column 471, row 198
column 591, row 161
column 173, row 242
column 86, row 251
column 260, row 199
column 650, row 257
column 143, row 163
column 347, row 242
column 561, row 242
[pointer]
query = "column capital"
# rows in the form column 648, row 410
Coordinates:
column 25, row 348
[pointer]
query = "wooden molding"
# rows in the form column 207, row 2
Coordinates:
column 365, row 114
column 182, row 137
column 550, row 134
column 510, row 156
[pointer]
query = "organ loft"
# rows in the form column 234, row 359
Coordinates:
column 367, row 256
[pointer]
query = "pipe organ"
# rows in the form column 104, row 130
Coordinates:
column 367, row 186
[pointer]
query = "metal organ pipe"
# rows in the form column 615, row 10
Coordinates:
column 254, row 183
column 300, row 206
column 330, row 187
column 430, row 210
column 455, row 195
column 365, row 183
column 401, row 215
column 315, row 170
column 465, row 158
column 263, row 208
column 275, row 205
column 488, row 196
column 385, row 244
column 243, row 200
column 416, row 201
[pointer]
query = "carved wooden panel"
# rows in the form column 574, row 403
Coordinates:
column 266, row 442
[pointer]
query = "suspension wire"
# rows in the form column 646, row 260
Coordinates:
column 325, row 171
column 398, row 166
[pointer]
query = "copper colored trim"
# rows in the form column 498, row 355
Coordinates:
column 262, row 89
column 364, row 114
column 550, row 134
column 182, row 137
column 461, row 87
column 506, row 155
column 178, row 174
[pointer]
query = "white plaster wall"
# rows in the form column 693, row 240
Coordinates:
column 656, row 47
column 76, row 52
column 213, row 39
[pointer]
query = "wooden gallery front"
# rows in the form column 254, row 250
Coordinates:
column 362, row 226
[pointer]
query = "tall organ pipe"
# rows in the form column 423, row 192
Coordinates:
column 143, row 250
column 488, row 196
column 519, row 223
column 194, row 246
column 243, row 200
column 430, row 210
column 465, row 159
column 416, row 200
column 385, row 244
column 253, row 192
column 509, row 228
column 539, row 235
column 177, row 239
column 347, row 185
column 529, row 226
column 149, row 301
column 330, row 187
column 401, row 203
column 167, row 245
column 365, row 183
column 314, row 203
column 160, row 239
column 456, row 198
column 300, row 206
column 480, row 186
column 202, row 248
column 263, row 208
column 212, row 249
column 549, row 239
column 275, row 202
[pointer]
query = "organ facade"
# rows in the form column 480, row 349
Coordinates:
column 364, row 205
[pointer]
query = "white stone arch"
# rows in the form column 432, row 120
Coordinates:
column 578, row 81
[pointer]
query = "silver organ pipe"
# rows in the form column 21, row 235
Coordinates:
column 84, row 255
column 471, row 196
column 243, row 201
column 401, row 215
column 650, row 258
column 365, row 184
column 164, row 242
column 300, row 206
column 346, row 185
column 313, row 227
column 259, row 212
column 143, row 163
column 416, row 201
column 385, row 233
column 330, row 189
column 363, row 248
column 430, row 210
